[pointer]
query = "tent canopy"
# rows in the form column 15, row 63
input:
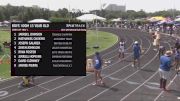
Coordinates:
column 178, row 20
column 156, row 18
column 90, row 17
column 167, row 21
column 116, row 20
column 38, row 20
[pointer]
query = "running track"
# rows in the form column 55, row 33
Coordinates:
column 123, row 82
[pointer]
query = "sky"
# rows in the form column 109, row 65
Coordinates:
column 86, row 5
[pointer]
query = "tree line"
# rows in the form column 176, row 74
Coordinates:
column 23, row 13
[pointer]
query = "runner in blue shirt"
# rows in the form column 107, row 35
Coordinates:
column 165, row 65
column 97, row 68
column 136, row 53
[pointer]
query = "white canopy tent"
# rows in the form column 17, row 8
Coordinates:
column 90, row 17
column 38, row 20
column 178, row 20
column 116, row 20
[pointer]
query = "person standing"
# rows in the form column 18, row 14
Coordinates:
column 97, row 69
column 165, row 65
column 157, row 39
column 136, row 54
column 121, row 48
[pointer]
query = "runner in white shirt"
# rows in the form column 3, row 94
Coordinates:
column 121, row 48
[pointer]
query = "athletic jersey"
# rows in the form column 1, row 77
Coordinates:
column 121, row 46
column 157, row 35
column 136, row 50
column 165, row 63
column 97, row 63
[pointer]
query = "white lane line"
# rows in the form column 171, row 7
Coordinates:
column 125, row 79
column 122, row 79
column 2, row 57
column 30, row 88
column 103, row 78
column 43, row 87
column 122, row 99
column 17, row 84
column 2, row 81
column 75, row 80
column 67, row 83
column 167, row 87
column 8, row 55
column 54, row 89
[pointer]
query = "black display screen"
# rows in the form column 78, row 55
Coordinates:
column 48, row 49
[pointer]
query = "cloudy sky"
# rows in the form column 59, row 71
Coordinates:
column 86, row 5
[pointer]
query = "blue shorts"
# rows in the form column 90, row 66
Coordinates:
column 97, row 67
column 136, row 57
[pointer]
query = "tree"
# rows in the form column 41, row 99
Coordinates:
column 2, row 17
column 1, row 48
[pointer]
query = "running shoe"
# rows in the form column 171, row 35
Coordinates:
column 94, row 84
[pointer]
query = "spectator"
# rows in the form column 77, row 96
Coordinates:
column 165, row 65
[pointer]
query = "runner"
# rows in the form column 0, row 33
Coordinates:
column 26, row 81
column 137, row 53
column 157, row 40
column 121, row 48
column 97, row 69
column 165, row 65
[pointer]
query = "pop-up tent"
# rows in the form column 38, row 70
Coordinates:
column 156, row 19
column 166, row 21
column 90, row 17
column 38, row 21
column 178, row 20
column 116, row 20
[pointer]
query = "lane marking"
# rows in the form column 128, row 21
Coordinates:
column 2, row 57
column 82, row 77
column 3, row 93
column 123, row 79
column 42, row 87
column 167, row 87
column 122, row 99
column 30, row 88
column 103, row 77
column 17, row 84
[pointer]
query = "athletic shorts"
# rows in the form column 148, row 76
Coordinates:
column 163, row 74
column 136, row 57
column 121, row 50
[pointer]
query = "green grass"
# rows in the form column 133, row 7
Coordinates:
column 5, row 36
column 5, row 67
column 105, row 40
